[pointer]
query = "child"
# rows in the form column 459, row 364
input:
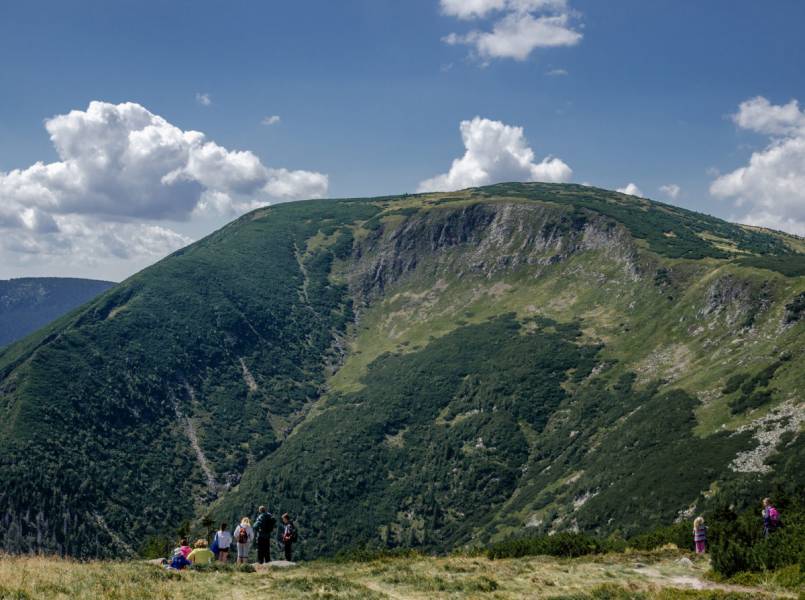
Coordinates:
column 700, row 535
column 178, row 561
column 244, row 534
column 201, row 555
column 224, row 540
column 184, row 548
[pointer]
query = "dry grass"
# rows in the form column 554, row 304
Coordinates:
column 612, row 576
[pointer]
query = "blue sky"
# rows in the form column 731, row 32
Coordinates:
column 371, row 94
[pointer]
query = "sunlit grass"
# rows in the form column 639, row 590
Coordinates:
column 639, row 575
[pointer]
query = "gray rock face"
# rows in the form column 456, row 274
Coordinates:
column 484, row 239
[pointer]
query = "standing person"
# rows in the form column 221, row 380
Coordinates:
column 201, row 555
column 700, row 535
column 287, row 536
column 244, row 534
column 771, row 517
column 263, row 528
column 224, row 540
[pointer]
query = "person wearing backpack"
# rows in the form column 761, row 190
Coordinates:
column 263, row 528
column 771, row 517
column 287, row 536
column 223, row 540
column 244, row 534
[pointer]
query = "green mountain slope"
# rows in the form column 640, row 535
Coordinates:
column 431, row 370
column 28, row 303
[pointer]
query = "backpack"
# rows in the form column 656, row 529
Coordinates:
column 243, row 536
column 265, row 525
column 774, row 517
column 289, row 535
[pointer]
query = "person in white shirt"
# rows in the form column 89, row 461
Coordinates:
column 244, row 534
column 224, row 541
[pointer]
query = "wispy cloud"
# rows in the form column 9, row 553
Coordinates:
column 204, row 99
column 517, row 28
column 272, row 120
column 671, row 190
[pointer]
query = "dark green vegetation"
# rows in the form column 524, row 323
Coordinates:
column 122, row 419
column 29, row 303
column 739, row 544
column 735, row 542
column 753, row 389
column 788, row 265
column 426, row 372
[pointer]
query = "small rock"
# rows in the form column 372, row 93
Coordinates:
column 684, row 562
column 274, row 564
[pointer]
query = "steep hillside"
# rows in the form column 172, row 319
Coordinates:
column 26, row 304
column 431, row 370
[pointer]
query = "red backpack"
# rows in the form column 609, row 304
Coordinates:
column 243, row 536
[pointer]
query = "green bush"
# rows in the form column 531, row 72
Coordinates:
column 566, row 545
column 737, row 542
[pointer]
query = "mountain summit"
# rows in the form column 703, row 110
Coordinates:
column 429, row 370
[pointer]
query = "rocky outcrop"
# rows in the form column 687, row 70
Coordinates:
column 484, row 239
column 739, row 301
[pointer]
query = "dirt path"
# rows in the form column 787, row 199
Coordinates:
column 695, row 583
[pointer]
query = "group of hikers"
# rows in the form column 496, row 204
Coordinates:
column 242, row 538
column 246, row 534
column 771, row 522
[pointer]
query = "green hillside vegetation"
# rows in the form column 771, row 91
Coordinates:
column 432, row 371
column 28, row 303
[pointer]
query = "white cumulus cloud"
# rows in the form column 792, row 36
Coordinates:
column 271, row 120
column 631, row 189
column 769, row 190
column 671, row 190
column 518, row 28
column 122, row 170
column 495, row 152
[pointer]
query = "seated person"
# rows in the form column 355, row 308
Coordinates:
column 177, row 561
column 201, row 555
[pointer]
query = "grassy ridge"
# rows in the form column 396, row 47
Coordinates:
column 644, row 576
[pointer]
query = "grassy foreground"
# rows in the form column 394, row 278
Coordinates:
column 613, row 576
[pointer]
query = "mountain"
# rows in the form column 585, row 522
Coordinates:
column 26, row 304
column 427, row 370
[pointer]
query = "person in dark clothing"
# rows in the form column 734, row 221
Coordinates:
column 263, row 528
column 287, row 536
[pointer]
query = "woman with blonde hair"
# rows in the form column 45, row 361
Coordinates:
column 699, row 535
column 244, row 534
column 201, row 555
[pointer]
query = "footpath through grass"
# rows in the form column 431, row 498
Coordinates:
column 639, row 575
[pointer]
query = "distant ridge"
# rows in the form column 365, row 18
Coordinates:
column 28, row 303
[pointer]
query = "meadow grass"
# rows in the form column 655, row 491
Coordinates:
column 614, row 576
